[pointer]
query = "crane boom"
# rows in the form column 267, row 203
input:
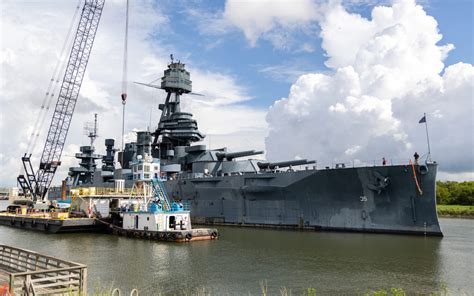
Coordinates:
column 37, row 184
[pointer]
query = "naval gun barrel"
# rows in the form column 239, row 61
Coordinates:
column 282, row 164
column 231, row 155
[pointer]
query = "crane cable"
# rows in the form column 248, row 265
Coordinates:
column 45, row 105
column 124, row 78
column 50, row 92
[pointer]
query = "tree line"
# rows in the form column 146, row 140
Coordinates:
column 455, row 193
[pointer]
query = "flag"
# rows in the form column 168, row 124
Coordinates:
column 423, row 119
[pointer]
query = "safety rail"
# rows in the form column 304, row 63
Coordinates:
column 186, row 206
column 31, row 273
column 312, row 167
column 100, row 191
column 367, row 163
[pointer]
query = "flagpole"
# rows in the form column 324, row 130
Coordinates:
column 427, row 137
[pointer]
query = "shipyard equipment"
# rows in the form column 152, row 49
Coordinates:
column 37, row 183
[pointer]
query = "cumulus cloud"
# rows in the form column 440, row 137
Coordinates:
column 31, row 37
column 386, row 72
column 256, row 18
column 279, row 22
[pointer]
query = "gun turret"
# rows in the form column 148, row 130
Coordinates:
column 282, row 164
column 231, row 155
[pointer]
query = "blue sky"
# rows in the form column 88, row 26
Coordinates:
column 456, row 23
column 255, row 67
column 234, row 56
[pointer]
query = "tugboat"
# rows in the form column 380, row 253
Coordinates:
column 162, row 220
column 157, row 218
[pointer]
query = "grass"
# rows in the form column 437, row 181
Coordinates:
column 202, row 291
column 456, row 211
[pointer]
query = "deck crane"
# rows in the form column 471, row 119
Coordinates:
column 36, row 184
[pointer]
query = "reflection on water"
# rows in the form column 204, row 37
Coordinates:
column 237, row 263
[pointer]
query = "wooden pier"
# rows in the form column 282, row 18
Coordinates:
column 24, row 272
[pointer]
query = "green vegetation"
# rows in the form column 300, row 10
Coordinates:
column 391, row 292
column 442, row 290
column 455, row 199
column 455, row 193
column 456, row 211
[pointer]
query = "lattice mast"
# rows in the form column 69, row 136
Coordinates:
column 38, row 184
column 91, row 130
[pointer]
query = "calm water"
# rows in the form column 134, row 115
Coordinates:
column 237, row 263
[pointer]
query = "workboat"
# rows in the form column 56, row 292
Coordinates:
column 153, row 215
column 162, row 221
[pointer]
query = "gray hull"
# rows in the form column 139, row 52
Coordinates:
column 382, row 199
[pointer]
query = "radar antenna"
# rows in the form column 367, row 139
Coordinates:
column 90, row 130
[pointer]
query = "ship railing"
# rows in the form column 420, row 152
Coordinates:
column 94, row 191
column 365, row 163
column 186, row 205
column 319, row 166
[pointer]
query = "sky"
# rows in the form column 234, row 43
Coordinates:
column 334, row 81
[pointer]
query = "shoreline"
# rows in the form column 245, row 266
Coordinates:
column 456, row 216
column 455, row 211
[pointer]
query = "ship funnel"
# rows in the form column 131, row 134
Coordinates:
column 108, row 159
column 143, row 143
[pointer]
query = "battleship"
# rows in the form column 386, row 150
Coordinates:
column 232, row 188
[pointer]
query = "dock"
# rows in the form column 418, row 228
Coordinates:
column 24, row 272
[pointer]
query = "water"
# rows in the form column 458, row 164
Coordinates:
column 243, row 258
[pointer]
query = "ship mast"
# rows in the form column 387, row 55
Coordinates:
column 175, row 128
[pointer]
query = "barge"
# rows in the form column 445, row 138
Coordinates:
column 50, row 224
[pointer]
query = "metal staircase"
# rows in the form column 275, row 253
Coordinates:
column 159, row 192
